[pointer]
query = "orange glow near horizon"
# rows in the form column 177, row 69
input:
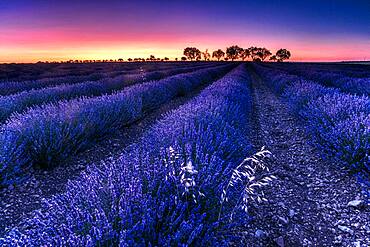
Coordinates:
column 28, row 46
column 40, row 30
column 30, row 55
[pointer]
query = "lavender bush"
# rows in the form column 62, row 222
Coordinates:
column 340, row 124
column 15, row 155
column 300, row 93
column 50, row 133
column 164, row 190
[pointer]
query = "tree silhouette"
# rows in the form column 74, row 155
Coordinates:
column 166, row 59
column 282, row 54
column 192, row 53
column 218, row 54
column 245, row 54
column 120, row 60
column 183, row 58
column 152, row 58
column 233, row 52
column 258, row 53
column 253, row 52
column 273, row 58
column 264, row 53
column 206, row 55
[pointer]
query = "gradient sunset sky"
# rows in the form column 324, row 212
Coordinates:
column 325, row 30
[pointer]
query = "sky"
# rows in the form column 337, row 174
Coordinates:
column 40, row 30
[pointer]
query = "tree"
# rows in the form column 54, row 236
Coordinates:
column 218, row 54
column 176, row 59
column 183, row 58
column 120, row 60
column 245, row 54
column 253, row 52
column 233, row 52
column 192, row 53
column 166, row 59
column 206, row 55
column 264, row 53
column 282, row 54
column 152, row 58
column 273, row 58
column 258, row 53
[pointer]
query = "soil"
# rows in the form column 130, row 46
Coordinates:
column 308, row 203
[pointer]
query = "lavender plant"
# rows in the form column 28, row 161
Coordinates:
column 51, row 133
column 337, row 122
column 14, row 87
column 349, row 84
column 20, row 102
column 340, row 124
column 146, row 196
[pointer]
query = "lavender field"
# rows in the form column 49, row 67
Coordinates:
column 185, row 154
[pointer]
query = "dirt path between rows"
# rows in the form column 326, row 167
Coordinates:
column 308, row 204
column 17, row 203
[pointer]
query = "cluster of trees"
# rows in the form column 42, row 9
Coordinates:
column 192, row 53
column 235, row 52
column 150, row 58
column 88, row 61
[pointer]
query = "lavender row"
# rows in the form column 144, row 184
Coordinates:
column 350, row 70
column 29, row 72
column 83, row 73
column 332, row 79
column 48, row 134
column 12, row 87
column 8, row 88
column 165, row 190
column 21, row 101
column 32, row 72
column 338, row 122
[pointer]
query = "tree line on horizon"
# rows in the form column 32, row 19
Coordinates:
column 235, row 52
column 257, row 54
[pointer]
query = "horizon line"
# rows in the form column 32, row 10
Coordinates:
column 73, row 61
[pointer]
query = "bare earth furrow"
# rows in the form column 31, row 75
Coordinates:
column 308, row 204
